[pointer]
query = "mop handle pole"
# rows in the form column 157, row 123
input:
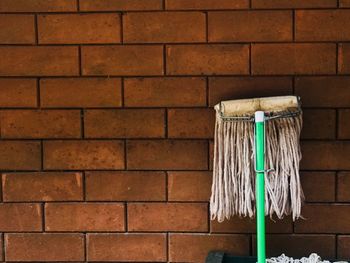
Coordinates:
column 260, row 183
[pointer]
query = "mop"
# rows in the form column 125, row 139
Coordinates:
column 256, row 164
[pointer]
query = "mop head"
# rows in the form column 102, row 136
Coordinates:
column 233, row 188
column 313, row 258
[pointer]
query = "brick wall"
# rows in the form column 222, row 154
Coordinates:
column 107, row 124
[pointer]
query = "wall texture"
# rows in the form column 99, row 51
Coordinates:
column 106, row 124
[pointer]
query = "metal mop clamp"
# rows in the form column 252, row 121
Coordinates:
column 249, row 134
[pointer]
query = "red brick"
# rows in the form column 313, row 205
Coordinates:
column 344, row 3
column 318, row 186
column 207, row 59
column 84, row 217
column 250, row 26
column 298, row 246
column 53, row 186
column 38, row 61
column 168, row 217
column 80, row 92
column 322, row 25
column 314, row 128
column 164, row 27
column 247, row 225
column 160, row 155
column 323, row 91
column 88, row 154
column 326, row 218
column 164, row 92
column 325, row 155
column 343, row 245
column 189, row 186
column 136, row 247
column 122, row 60
column 1, row 248
column 20, row 155
column 343, row 184
column 344, row 58
column 120, row 5
column 44, row 247
column 18, row 93
column 293, row 3
column 344, row 124
column 125, row 186
column 20, row 217
column 206, row 4
column 79, row 28
column 124, row 123
column 293, row 59
column 40, row 124
column 191, row 123
column 229, row 88
column 17, row 29
column 195, row 247
column 38, row 5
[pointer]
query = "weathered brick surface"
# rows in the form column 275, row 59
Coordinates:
column 107, row 122
column 43, row 186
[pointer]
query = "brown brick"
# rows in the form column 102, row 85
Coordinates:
column 168, row 217
column 88, row 154
column 323, row 91
column 189, row 186
column 38, row 61
column 313, row 128
column 136, row 247
column 195, row 247
column 326, row 218
column 191, row 123
column 326, row 155
column 322, row 25
column 20, row 217
column 250, row 26
column 160, row 155
column 344, row 58
column 211, row 154
column 229, row 88
column 247, row 225
column 343, row 245
column 343, row 184
column 122, row 60
column 18, row 93
column 344, row 124
column 298, row 246
column 293, row 3
column 207, row 59
column 84, row 217
column 40, row 124
column 293, row 59
column 79, row 28
column 93, row 92
column 44, row 247
column 344, row 3
column 318, row 186
column 2, row 248
column 120, row 5
column 206, row 4
column 17, row 29
column 164, row 92
column 125, row 186
column 160, row 27
column 38, row 5
column 124, row 123
column 20, row 155
column 52, row 186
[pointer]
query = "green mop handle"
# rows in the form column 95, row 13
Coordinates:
column 260, row 183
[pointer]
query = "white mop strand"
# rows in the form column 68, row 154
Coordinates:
column 313, row 258
column 233, row 188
